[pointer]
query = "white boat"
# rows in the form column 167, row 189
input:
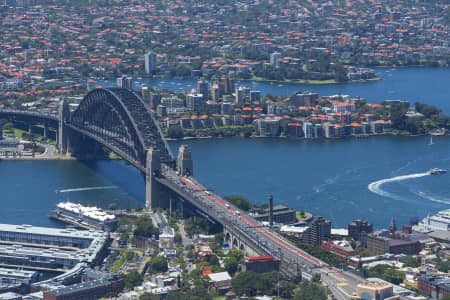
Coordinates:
column 437, row 171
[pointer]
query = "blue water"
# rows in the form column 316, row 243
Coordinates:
column 328, row 178
column 427, row 85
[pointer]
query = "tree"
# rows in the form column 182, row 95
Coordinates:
column 178, row 238
column 239, row 201
column 309, row 291
column 145, row 228
column 247, row 283
column 132, row 279
column 410, row 261
column 387, row 273
column 231, row 265
column 316, row 278
column 148, row 296
column 158, row 264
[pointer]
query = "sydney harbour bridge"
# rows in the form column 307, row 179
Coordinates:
column 118, row 120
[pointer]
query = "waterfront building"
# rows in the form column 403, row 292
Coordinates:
column 339, row 131
column 196, row 123
column 318, row 131
column 365, row 128
column 356, row 128
column 150, row 61
column 281, row 214
column 125, row 82
column 294, row 130
column 195, row 102
column 268, row 127
column 319, row 231
column 51, row 248
column 376, row 127
column 308, row 130
column 328, row 130
column 359, row 229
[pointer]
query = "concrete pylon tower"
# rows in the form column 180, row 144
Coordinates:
column 270, row 210
column 153, row 170
column 64, row 115
column 185, row 164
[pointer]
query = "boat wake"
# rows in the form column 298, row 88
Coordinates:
column 431, row 198
column 375, row 187
column 87, row 189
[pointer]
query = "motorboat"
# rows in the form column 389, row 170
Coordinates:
column 437, row 171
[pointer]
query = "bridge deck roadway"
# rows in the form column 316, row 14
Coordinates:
column 232, row 217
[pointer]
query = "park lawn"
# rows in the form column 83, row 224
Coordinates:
column 299, row 216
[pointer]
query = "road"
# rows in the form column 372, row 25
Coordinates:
column 342, row 284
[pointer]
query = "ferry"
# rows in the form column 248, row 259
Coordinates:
column 437, row 171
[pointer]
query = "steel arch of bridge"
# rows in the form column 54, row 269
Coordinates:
column 119, row 119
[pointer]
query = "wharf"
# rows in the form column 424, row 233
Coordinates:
column 76, row 223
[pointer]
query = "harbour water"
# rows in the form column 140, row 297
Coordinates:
column 374, row 178
column 426, row 85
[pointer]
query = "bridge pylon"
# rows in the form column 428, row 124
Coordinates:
column 185, row 163
column 153, row 190
column 64, row 115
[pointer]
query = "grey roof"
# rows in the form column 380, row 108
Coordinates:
column 69, row 232
column 440, row 235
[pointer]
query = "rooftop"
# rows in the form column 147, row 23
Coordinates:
column 61, row 232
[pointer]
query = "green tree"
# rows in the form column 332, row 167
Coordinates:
column 145, row 228
column 411, row 261
column 178, row 238
column 247, row 283
column 132, row 279
column 309, row 291
column 239, row 201
column 158, row 264
column 148, row 296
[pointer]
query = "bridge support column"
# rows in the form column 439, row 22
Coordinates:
column 185, row 163
column 64, row 115
column 153, row 191
column 45, row 129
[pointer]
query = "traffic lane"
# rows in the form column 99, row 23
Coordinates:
column 246, row 220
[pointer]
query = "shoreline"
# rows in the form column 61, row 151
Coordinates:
column 362, row 136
